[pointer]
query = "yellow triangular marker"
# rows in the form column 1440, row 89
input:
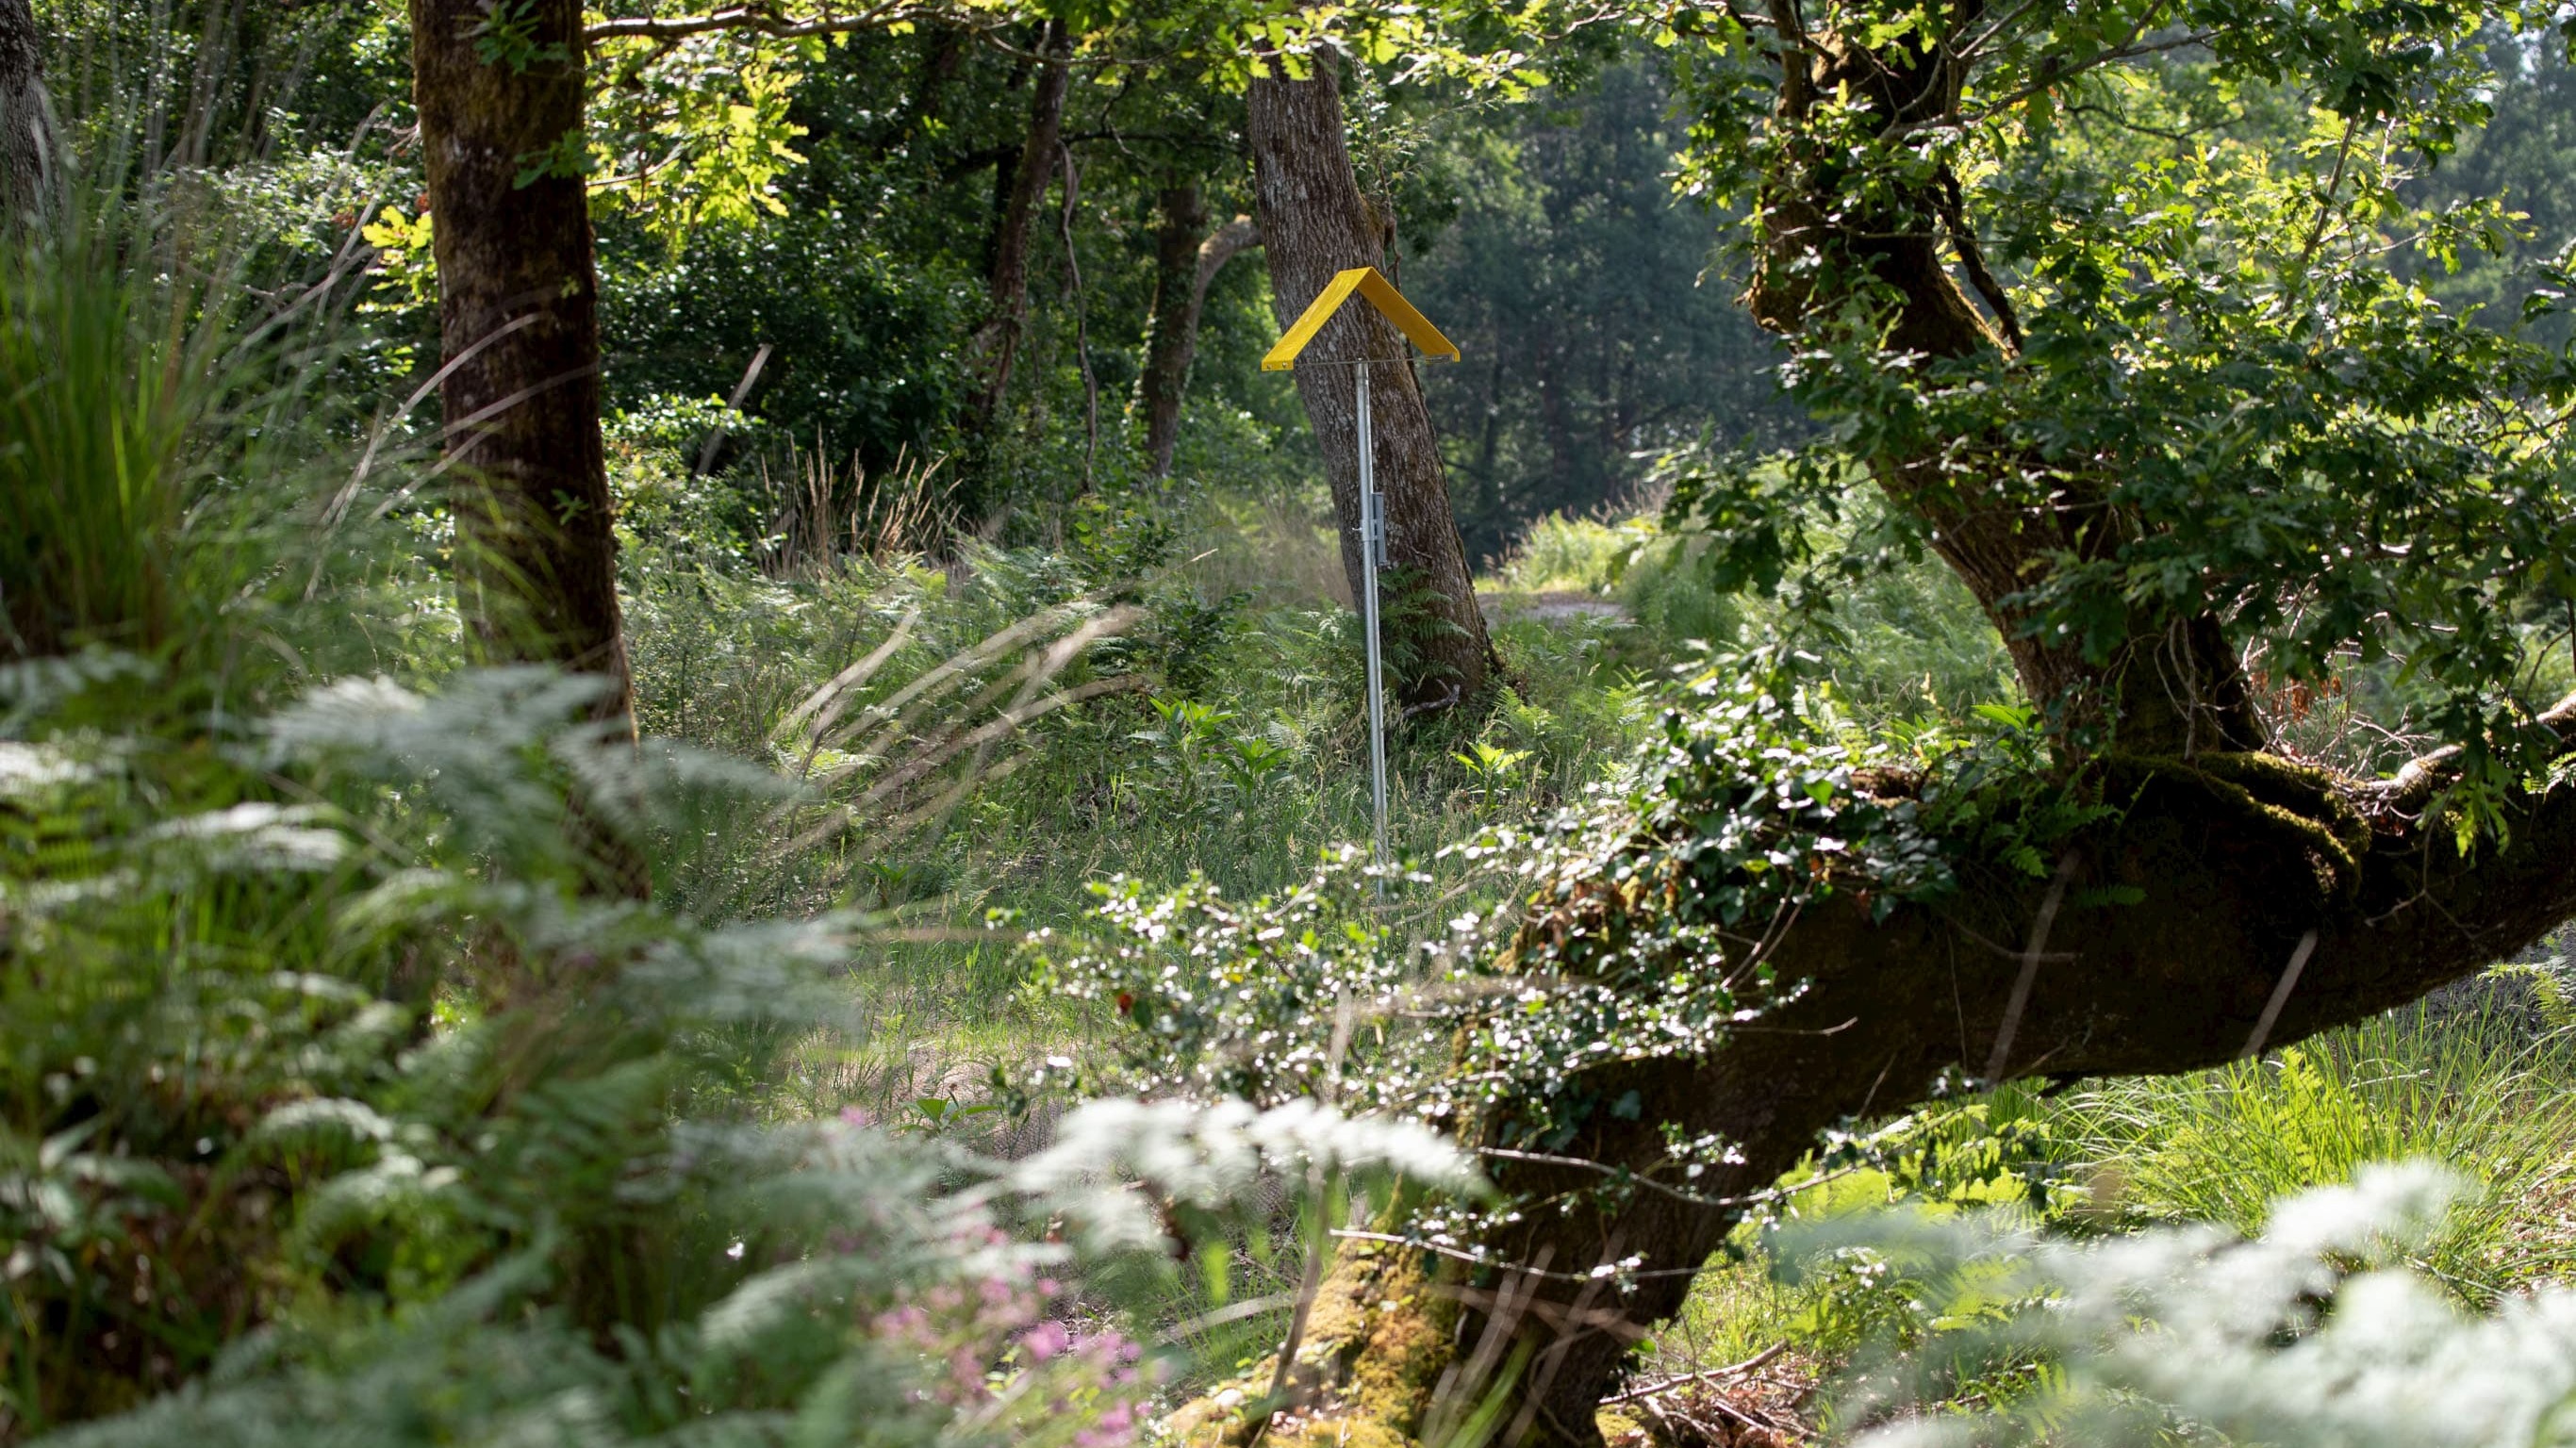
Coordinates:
column 1382, row 295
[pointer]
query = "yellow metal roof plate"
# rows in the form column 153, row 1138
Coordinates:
column 1381, row 294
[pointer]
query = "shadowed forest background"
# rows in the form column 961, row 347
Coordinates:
column 682, row 752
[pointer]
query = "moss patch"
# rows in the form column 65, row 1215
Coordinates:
column 1375, row 1346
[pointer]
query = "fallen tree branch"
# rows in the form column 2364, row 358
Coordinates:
column 1683, row 1380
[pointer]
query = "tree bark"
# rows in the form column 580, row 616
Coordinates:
column 1314, row 223
column 536, row 556
column 1187, row 257
column 28, row 164
column 997, row 343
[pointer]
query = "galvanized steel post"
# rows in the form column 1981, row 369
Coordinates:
column 1372, row 554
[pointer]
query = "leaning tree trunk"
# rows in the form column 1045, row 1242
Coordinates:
column 996, row 345
column 1187, row 257
column 1314, row 223
column 536, row 564
column 2274, row 901
column 2271, row 900
column 2243, row 916
column 27, row 160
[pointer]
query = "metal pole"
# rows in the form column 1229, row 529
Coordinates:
column 1372, row 551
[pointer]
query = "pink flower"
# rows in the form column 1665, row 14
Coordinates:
column 1045, row 1340
column 1111, row 1429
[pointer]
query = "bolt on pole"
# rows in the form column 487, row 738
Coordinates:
column 1372, row 554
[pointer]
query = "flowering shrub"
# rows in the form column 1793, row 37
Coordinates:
column 1052, row 1383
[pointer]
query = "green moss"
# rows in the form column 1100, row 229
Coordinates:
column 2300, row 804
column 1376, row 1344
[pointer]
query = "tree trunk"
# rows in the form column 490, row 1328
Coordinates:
column 28, row 165
column 536, row 561
column 997, row 343
column 1314, row 223
column 2178, row 982
column 1187, row 257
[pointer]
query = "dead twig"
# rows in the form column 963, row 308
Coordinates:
column 1711, row 1375
column 2030, row 959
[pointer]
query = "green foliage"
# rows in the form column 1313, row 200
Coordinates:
column 1493, row 771
column 150, row 449
column 2527, row 137
column 221, row 1073
column 507, row 35
column 338, row 1109
column 2181, row 299
column 1752, row 804
column 1198, row 761
column 1260, row 1001
column 2476, row 1088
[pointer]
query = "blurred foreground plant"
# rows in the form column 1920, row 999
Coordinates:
column 333, row 1101
column 2315, row 1332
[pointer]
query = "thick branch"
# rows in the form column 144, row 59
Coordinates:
column 2245, row 873
column 1229, row 241
column 1972, row 260
column 2176, row 686
column 766, row 20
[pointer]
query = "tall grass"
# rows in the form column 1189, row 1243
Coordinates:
column 2470, row 1091
column 130, row 408
column 1238, row 755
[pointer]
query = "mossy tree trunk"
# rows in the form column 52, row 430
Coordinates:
column 1314, row 223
